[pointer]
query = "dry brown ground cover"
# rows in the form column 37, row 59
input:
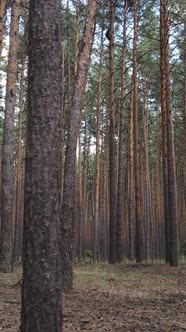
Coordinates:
column 112, row 298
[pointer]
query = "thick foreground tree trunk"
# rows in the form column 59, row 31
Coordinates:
column 42, row 272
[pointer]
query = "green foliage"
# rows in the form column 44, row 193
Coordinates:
column 183, row 248
column 88, row 256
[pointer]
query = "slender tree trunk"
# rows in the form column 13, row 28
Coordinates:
column 42, row 272
column 170, row 180
column 68, row 60
column 70, row 160
column 120, row 147
column 112, row 144
column 79, row 224
column 131, row 206
column 106, row 207
column 146, row 182
column 164, row 129
column 105, row 188
column 63, row 120
column 156, row 197
column 77, row 36
column 2, row 14
column 172, row 186
column 85, row 196
column 6, row 259
column 80, row 204
column 21, row 214
column 102, row 202
column 139, row 243
column 184, row 114
column 18, row 212
column 97, row 161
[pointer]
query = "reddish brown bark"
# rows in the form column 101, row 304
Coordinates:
column 77, row 36
column 80, row 203
column 72, row 133
column 131, row 212
column 112, row 143
column 146, row 176
column 164, row 129
column 138, row 243
column 120, row 144
column 172, row 194
column 97, row 161
column 19, row 205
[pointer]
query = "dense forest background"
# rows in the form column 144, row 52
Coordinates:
column 130, row 177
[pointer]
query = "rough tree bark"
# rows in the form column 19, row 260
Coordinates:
column 42, row 268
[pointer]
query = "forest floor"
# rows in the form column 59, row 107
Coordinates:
column 129, row 298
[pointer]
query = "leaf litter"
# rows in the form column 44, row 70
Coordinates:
column 146, row 298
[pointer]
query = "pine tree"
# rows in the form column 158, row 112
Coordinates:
column 42, row 268
column 6, row 250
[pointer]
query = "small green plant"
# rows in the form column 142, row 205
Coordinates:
column 183, row 248
column 88, row 256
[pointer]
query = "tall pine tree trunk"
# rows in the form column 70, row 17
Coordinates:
column 170, row 182
column 77, row 36
column 97, row 161
column 172, row 186
column 184, row 114
column 70, row 160
column 164, row 128
column 146, row 182
column 42, row 268
column 112, row 143
column 80, row 204
column 138, row 243
column 18, row 210
column 6, row 255
column 131, row 212
column 120, row 144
